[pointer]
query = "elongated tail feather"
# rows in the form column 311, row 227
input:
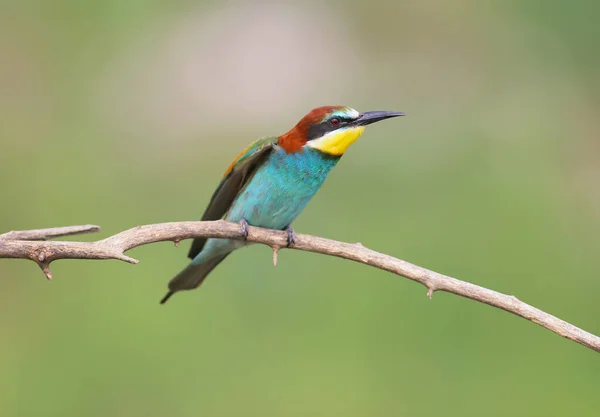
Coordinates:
column 192, row 276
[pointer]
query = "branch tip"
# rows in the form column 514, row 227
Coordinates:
column 49, row 233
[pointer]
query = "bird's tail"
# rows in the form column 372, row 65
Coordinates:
column 192, row 276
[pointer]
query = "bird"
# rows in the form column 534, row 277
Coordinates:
column 271, row 181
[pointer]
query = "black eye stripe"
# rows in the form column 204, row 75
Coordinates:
column 316, row 131
column 321, row 129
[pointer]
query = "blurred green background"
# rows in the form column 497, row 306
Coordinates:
column 121, row 113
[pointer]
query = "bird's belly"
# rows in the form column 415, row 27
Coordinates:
column 281, row 189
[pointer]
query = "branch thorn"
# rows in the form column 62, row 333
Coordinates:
column 46, row 269
column 275, row 252
column 125, row 258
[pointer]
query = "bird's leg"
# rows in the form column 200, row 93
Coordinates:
column 244, row 228
column 291, row 236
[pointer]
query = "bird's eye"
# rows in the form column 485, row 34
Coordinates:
column 335, row 121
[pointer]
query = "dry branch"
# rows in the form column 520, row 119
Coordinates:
column 22, row 245
column 50, row 233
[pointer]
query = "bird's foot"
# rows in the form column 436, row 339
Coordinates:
column 244, row 228
column 291, row 236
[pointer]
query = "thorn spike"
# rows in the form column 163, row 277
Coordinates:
column 46, row 270
column 125, row 258
column 275, row 252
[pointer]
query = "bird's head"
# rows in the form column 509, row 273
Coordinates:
column 330, row 129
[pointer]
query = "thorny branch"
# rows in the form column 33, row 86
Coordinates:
column 31, row 245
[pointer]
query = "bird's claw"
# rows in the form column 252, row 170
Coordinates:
column 244, row 228
column 291, row 237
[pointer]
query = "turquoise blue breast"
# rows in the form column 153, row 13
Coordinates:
column 281, row 188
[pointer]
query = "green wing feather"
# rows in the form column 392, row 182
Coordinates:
column 235, row 179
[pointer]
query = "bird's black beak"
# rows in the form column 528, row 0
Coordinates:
column 369, row 117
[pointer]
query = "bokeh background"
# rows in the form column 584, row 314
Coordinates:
column 122, row 113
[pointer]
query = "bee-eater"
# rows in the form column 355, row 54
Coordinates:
column 271, row 181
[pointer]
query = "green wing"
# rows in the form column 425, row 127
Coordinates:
column 236, row 177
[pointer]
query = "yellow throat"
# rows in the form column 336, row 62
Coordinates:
column 338, row 141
